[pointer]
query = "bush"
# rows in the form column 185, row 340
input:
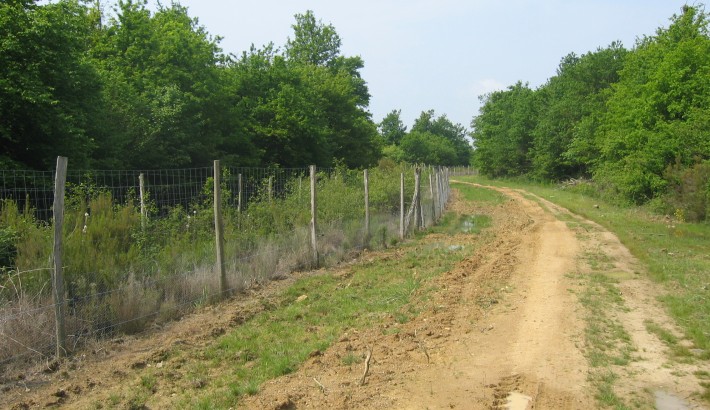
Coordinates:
column 8, row 247
column 689, row 190
column 121, row 272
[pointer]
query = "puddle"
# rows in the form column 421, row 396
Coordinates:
column 666, row 401
column 517, row 401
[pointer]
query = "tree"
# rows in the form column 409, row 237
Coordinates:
column 423, row 147
column 162, row 84
column 441, row 126
column 569, row 104
column 502, row 132
column 308, row 106
column 658, row 113
column 392, row 128
column 300, row 114
column 49, row 92
column 313, row 42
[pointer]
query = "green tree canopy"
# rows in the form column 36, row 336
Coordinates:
column 423, row 147
column 302, row 107
column 49, row 92
column 660, row 109
column 441, row 126
column 568, row 103
column 162, row 81
column 503, row 131
column 313, row 42
column 392, row 128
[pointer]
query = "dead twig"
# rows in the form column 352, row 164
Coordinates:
column 367, row 367
column 320, row 385
column 426, row 352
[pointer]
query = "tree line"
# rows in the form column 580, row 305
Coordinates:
column 142, row 90
column 635, row 122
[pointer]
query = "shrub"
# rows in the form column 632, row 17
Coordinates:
column 8, row 247
column 689, row 190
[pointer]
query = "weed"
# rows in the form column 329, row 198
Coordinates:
column 149, row 383
column 114, row 399
column 669, row 339
column 351, row 359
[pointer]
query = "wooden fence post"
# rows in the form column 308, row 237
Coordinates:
column 219, row 228
column 440, row 177
column 433, row 199
column 57, row 277
column 417, row 199
column 271, row 188
column 367, row 207
column 401, row 206
column 239, row 193
column 444, row 194
column 448, row 184
column 141, row 190
column 314, row 241
column 437, row 179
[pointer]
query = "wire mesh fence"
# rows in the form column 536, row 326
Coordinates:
column 139, row 246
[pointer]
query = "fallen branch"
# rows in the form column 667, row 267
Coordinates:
column 367, row 367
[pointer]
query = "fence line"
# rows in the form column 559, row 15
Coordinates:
column 136, row 255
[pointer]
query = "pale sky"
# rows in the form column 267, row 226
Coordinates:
column 442, row 54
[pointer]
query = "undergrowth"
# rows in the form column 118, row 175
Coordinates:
column 123, row 272
column 307, row 318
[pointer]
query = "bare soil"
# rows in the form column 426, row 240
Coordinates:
column 505, row 330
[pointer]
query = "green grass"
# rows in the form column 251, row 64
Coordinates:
column 293, row 327
column 453, row 223
column 351, row 359
column 481, row 194
column 681, row 353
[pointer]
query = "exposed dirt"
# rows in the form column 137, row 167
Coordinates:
column 505, row 323
column 504, row 331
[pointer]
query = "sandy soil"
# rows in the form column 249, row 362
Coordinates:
column 504, row 332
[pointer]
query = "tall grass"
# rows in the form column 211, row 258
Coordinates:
column 123, row 273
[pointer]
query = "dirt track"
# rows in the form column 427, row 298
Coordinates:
column 506, row 323
column 504, row 331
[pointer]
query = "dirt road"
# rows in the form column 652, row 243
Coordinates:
column 505, row 330
column 504, row 333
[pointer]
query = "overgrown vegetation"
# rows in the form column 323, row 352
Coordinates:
column 635, row 122
column 123, row 272
column 304, row 321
